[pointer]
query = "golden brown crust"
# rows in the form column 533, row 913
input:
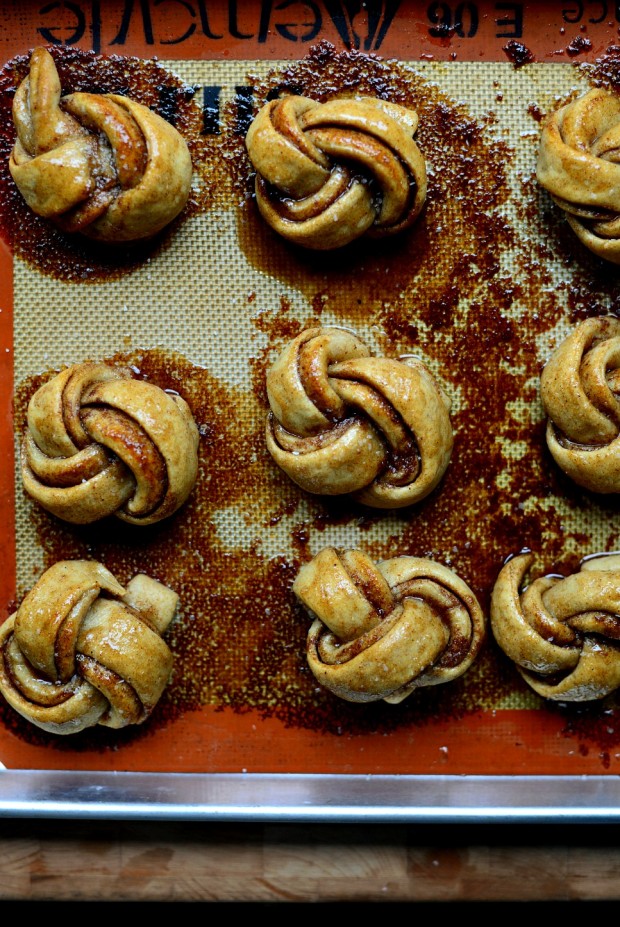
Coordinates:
column 99, row 164
column 344, row 422
column 328, row 173
column 562, row 633
column 578, row 165
column 99, row 442
column 580, row 390
column 81, row 650
column 381, row 630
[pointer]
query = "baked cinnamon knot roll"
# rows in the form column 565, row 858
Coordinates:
column 81, row 650
column 561, row 632
column 99, row 442
column 99, row 164
column 381, row 630
column 342, row 421
column 580, row 392
column 327, row 173
column 579, row 164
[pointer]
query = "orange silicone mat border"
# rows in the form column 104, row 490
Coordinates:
column 244, row 743
column 518, row 741
column 264, row 29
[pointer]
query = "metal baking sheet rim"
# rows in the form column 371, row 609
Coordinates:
column 316, row 798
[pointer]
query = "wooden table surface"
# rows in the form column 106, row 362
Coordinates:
column 82, row 861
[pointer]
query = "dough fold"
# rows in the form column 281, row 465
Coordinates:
column 329, row 173
column 382, row 630
column 81, row 650
column 580, row 392
column 102, row 165
column 100, row 442
column 562, row 633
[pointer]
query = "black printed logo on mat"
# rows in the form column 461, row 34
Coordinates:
column 360, row 25
column 209, row 25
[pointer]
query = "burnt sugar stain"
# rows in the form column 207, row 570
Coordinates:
column 73, row 258
column 579, row 45
column 605, row 71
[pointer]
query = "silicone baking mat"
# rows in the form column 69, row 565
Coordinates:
column 482, row 288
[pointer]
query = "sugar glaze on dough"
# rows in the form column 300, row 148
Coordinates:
column 100, row 442
column 561, row 632
column 329, row 173
column 382, row 630
column 81, row 650
column 345, row 422
column 580, row 392
column 102, row 165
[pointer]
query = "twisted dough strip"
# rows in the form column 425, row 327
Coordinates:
column 579, row 164
column 327, row 173
column 580, row 392
column 99, row 164
column 382, row 630
column 342, row 421
column 81, row 650
column 562, row 633
column 99, row 442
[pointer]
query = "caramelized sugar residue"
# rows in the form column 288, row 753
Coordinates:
column 470, row 288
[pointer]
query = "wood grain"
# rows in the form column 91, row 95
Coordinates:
column 289, row 863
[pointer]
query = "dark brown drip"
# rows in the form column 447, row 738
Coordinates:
column 235, row 638
column 579, row 44
column 518, row 53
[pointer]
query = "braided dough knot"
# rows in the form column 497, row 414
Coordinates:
column 327, row 173
column 342, row 421
column 81, row 650
column 99, row 442
column 579, row 164
column 381, row 630
column 99, row 164
column 561, row 632
column 580, row 392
